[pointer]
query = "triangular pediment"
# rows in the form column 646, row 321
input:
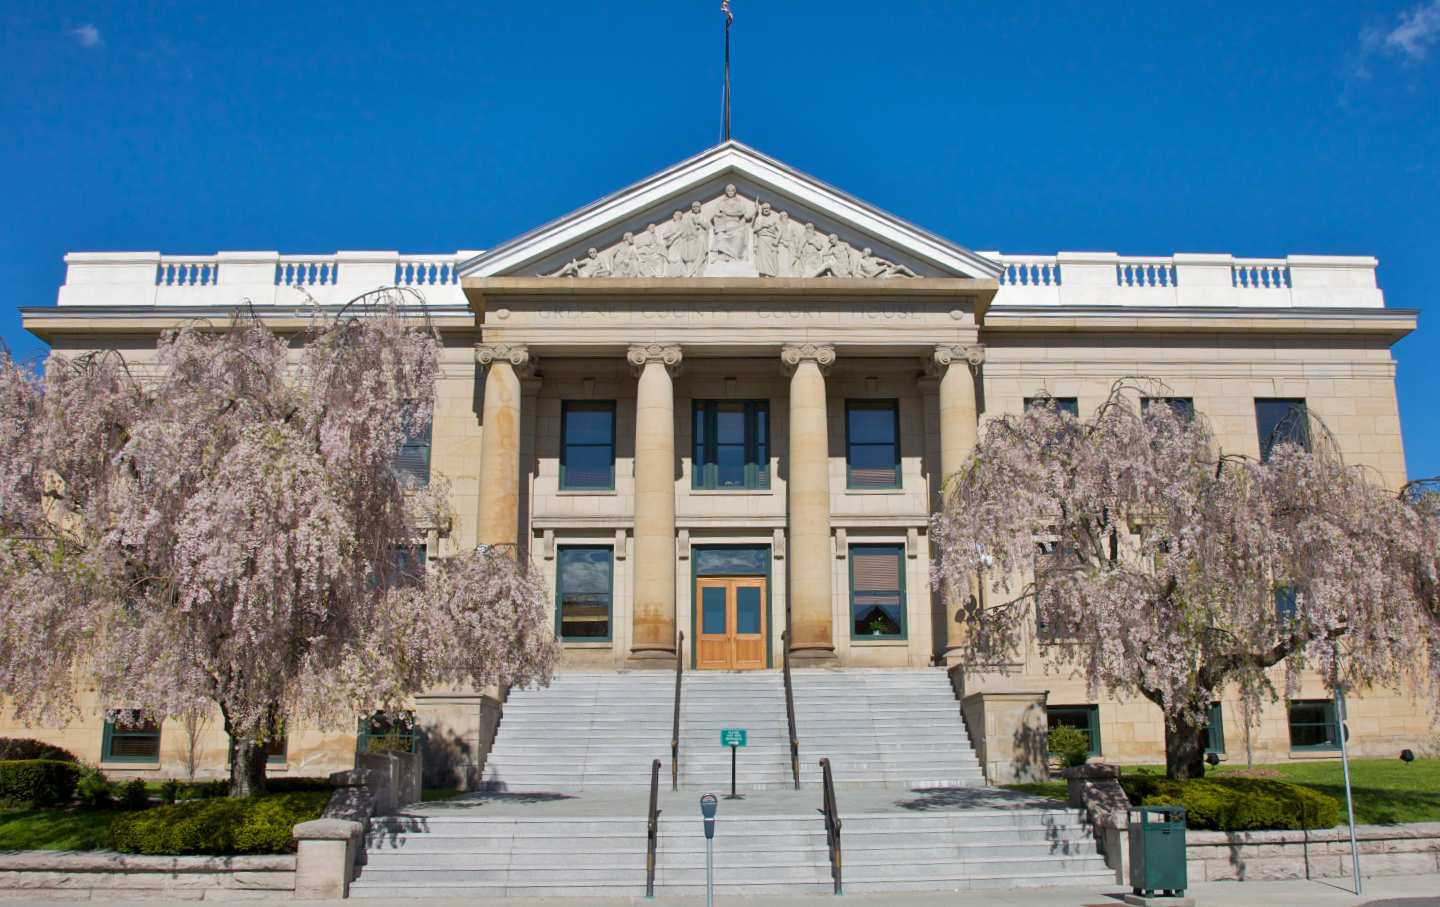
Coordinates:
column 729, row 212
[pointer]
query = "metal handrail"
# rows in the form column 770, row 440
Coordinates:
column 675, row 727
column 790, row 708
column 652, row 829
column 832, row 826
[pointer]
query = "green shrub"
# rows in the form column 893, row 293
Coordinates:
column 25, row 748
column 1236, row 804
column 37, row 782
column 93, row 788
column 1070, row 744
column 219, row 826
column 206, row 790
column 293, row 785
column 170, row 790
column 133, row 794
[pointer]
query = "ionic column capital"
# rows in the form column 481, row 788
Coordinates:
column 945, row 354
column 517, row 354
column 667, row 354
column 792, row 354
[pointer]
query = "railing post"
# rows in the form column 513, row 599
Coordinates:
column 652, row 828
column 790, row 707
column 832, row 826
column 675, row 725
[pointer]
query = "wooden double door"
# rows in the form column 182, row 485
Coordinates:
column 730, row 622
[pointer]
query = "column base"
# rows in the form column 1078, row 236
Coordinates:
column 814, row 658
column 650, row 660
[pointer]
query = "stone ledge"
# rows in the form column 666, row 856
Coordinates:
column 109, row 861
column 328, row 830
column 1338, row 834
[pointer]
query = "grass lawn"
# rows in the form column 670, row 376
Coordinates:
column 438, row 793
column 56, row 829
column 1386, row 791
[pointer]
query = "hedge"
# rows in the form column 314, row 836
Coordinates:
column 25, row 748
column 37, row 782
column 1236, row 804
column 253, row 825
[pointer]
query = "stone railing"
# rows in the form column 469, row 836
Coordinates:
column 1063, row 279
column 1109, row 279
column 257, row 278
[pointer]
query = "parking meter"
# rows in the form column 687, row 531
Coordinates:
column 708, row 804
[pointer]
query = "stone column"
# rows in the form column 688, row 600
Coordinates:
column 808, row 484
column 499, row 517
column 959, row 429
column 653, row 599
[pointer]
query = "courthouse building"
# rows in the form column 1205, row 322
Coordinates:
column 719, row 404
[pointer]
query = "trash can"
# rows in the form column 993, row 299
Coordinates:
column 1157, row 851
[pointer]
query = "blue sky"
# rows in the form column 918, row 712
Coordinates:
column 1258, row 129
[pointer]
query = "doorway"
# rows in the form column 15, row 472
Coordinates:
column 731, row 623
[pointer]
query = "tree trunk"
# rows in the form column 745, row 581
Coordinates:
column 247, row 769
column 247, row 762
column 1184, row 749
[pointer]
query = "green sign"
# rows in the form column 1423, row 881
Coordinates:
column 732, row 736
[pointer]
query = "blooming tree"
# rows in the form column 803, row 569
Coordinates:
column 224, row 528
column 1158, row 566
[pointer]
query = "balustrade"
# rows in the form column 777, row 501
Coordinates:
column 1145, row 272
column 187, row 272
column 1260, row 274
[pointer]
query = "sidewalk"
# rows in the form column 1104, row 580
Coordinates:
column 1389, row 891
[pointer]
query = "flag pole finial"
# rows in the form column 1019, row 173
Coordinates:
column 725, row 111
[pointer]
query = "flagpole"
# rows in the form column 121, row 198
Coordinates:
column 726, row 126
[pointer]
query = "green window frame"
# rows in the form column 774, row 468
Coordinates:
column 1069, row 405
column 877, row 592
column 587, row 462
column 584, row 593
column 1281, row 419
column 131, row 741
column 382, row 733
column 872, row 461
column 1084, row 718
column 1287, row 603
column 1313, row 726
column 412, row 463
column 1182, row 407
column 714, row 457
column 1214, row 729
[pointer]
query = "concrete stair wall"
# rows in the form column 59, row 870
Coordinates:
column 891, row 728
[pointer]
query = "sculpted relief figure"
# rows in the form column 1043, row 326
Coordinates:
column 592, row 265
column 734, row 233
column 767, row 241
column 731, row 226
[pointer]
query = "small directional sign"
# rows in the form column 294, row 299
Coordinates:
column 732, row 736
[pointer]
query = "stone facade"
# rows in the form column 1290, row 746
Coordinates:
column 951, row 336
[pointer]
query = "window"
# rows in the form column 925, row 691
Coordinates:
column 732, row 444
column 587, row 445
column 872, row 443
column 409, row 564
column 382, row 733
column 1047, row 629
column 412, row 463
column 1313, row 725
column 1214, row 729
column 582, row 592
column 1084, row 718
column 1182, row 407
column 275, row 750
column 130, row 736
column 1281, row 421
column 1287, row 603
column 877, row 591
column 1069, row 405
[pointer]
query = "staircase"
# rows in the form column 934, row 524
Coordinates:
column 586, row 731
column 899, row 728
column 569, row 774
column 754, row 700
column 969, row 850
